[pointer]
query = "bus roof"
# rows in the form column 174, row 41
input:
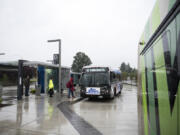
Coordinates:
column 94, row 66
column 110, row 69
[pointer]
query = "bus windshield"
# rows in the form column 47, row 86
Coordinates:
column 94, row 79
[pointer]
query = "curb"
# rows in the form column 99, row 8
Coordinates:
column 76, row 100
column 130, row 84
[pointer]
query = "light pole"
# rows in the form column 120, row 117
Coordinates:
column 58, row 40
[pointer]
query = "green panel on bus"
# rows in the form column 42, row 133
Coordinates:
column 159, row 70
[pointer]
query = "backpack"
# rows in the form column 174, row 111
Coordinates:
column 68, row 84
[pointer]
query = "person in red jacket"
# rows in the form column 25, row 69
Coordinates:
column 70, row 86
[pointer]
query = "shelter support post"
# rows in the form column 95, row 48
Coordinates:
column 20, row 80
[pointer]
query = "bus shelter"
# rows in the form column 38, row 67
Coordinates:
column 40, row 72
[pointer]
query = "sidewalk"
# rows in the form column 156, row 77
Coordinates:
column 36, row 115
column 129, row 82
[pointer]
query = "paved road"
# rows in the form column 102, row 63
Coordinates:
column 108, row 117
column 57, row 116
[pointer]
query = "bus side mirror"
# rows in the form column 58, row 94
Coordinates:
column 142, row 42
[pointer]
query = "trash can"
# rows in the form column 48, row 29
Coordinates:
column 38, row 90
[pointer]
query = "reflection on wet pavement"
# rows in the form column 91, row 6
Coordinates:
column 118, row 116
column 34, row 116
column 83, row 127
column 41, row 116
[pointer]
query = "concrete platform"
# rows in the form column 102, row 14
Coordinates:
column 59, row 115
column 35, row 116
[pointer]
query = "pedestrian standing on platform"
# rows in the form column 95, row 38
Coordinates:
column 51, row 87
column 62, row 88
column 70, row 87
column 27, row 83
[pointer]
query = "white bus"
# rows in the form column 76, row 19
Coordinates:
column 100, row 81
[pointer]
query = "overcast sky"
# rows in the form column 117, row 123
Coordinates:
column 108, row 31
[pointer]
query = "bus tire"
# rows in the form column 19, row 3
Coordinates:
column 112, row 95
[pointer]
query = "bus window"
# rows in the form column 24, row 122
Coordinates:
column 160, row 66
column 178, row 41
column 178, row 50
column 113, row 76
column 159, row 71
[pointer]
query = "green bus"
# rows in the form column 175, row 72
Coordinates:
column 159, row 71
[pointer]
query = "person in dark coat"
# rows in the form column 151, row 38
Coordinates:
column 27, row 84
column 71, row 88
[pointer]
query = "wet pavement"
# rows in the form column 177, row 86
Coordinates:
column 35, row 116
column 111, row 117
column 58, row 116
column 9, row 93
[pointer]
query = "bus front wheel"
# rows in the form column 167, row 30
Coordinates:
column 112, row 94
